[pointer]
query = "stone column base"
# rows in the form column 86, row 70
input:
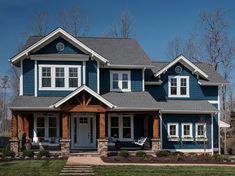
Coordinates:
column 14, row 146
column 155, row 145
column 102, row 147
column 65, row 147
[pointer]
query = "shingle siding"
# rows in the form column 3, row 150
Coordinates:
column 28, row 77
column 196, row 91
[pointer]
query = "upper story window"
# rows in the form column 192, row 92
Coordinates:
column 58, row 77
column 178, row 86
column 120, row 81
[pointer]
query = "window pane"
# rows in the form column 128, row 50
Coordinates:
column 124, row 76
column 114, row 122
column 46, row 82
column 126, row 121
column 172, row 130
column 115, row 76
column 46, row 71
column 183, row 82
column 115, row 132
column 40, row 132
column 59, row 82
column 173, row 90
column 115, row 85
column 183, row 91
column 59, row 72
column 52, row 132
column 186, row 130
column 52, row 121
column 73, row 82
column 173, row 82
column 124, row 85
column 40, row 122
column 126, row 132
column 73, row 72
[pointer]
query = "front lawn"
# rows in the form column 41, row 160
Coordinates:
column 31, row 167
column 163, row 171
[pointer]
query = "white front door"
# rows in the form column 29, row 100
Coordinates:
column 83, row 131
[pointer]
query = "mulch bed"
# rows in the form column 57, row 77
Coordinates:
column 168, row 159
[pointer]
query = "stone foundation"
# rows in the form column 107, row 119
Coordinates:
column 65, row 147
column 102, row 147
column 155, row 145
column 14, row 146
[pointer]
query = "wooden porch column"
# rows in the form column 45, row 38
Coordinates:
column 156, row 126
column 65, row 119
column 20, row 123
column 26, row 125
column 14, row 130
column 146, row 118
column 102, row 125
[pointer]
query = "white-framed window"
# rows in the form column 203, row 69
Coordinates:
column 59, row 77
column 187, row 131
column 173, row 130
column 46, row 126
column 200, row 130
column 120, row 81
column 178, row 86
column 121, row 126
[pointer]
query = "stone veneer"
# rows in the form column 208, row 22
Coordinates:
column 65, row 147
column 14, row 146
column 155, row 145
column 102, row 147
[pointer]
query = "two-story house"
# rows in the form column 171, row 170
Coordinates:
column 78, row 93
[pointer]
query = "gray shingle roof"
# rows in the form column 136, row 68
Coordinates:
column 213, row 76
column 132, row 100
column 196, row 106
column 118, row 51
column 33, row 102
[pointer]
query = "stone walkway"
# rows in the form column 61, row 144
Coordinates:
column 75, row 160
column 77, row 170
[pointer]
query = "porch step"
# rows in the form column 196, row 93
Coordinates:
column 77, row 170
column 85, row 154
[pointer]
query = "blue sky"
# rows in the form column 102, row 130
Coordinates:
column 156, row 21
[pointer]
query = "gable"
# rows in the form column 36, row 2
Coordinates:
column 188, row 64
column 51, row 48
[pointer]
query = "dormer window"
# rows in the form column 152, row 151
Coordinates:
column 59, row 77
column 120, row 81
column 178, row 86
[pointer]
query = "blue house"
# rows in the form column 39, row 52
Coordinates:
column 86, row 93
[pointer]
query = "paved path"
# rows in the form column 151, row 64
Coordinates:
column 75, row 160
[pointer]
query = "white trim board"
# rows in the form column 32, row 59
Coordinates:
column 186, row 63
column 90, row 91
column 189, row 150
column 54, row 34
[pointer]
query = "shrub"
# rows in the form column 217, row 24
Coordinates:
column 7, row 152
column 180, row 158
column 42, row 153
column 123, row 153
column 112, row 154
column 230, row 151
column 162, row 153
column 29, row 153
column 218, row 157
column 140, row 154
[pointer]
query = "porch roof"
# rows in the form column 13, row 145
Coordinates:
column 186, row 106
column 134, row 101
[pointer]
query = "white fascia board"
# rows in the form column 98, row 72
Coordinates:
column 34, row 108
column 59, row 57
column 212, row 84
column 133, row 109
column 127, row 66
column 83, row 87
column 186, row 112
column 178, row 59
column 52, row 34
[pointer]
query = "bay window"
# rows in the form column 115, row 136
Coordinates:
column 178, row 86
column 120, row 81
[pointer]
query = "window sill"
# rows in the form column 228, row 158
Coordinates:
column 188, row 139
column 173, row 139
column 178, row 96
column 201, row 139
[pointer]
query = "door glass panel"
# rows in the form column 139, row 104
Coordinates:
column 91, row 130
column 75, row 130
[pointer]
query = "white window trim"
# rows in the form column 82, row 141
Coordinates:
column 66, row 77
column 201, row 136
column 178, row 86
column 177, row 131
column 190, row 132
column 120, row 81
column 46, row 122
column 120, row 128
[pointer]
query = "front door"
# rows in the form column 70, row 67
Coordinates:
column 83, row 131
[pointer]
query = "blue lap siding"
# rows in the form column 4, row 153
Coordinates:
column 185, row 118
column 196, row 91
column 28, row 77
column 91, row 75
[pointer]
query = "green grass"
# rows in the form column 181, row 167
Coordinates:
column 31, row 167
column 164, row 171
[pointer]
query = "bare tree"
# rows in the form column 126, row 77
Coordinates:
column 124, row 27
column 175, row 48
column 74, row 21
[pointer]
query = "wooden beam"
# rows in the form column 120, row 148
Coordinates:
column 146, row 119
column 83, row 98
column 82, row 108
column 156, row 126
column 102, row 126
column 88, row 101
column 26, row 125
column 14, row 130
column 20, row 122
column 65, row 127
